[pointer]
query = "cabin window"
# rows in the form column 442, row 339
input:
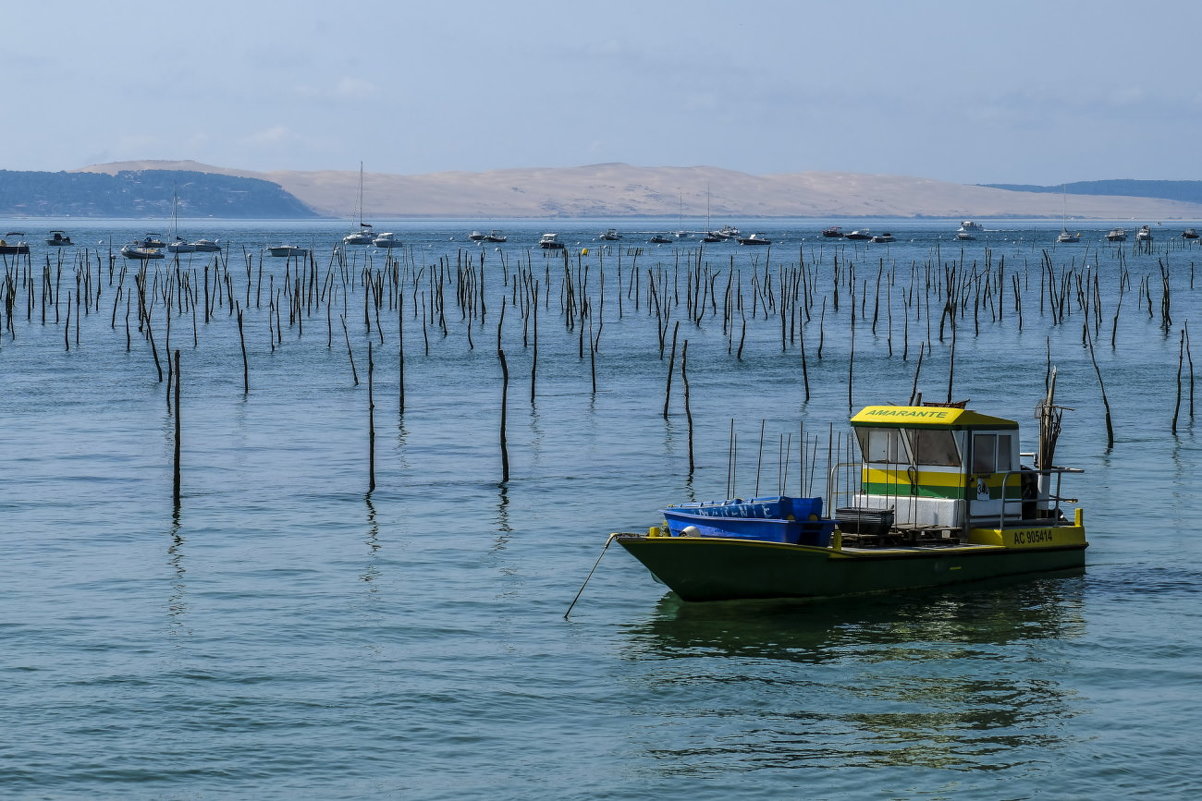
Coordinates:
column 881, row 445
column 935, row 447
column 991, row 453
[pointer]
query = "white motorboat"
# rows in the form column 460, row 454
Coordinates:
column 1117, row 235
column 1064, row 237
column 287, row 251
column 59, row 239
column 1144, row 234
column 387, row 240
column 550, row 242
column 755, row 239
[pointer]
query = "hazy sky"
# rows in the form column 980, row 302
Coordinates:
column 971, row 91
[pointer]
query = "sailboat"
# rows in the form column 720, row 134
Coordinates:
column 364, row 236
column 1065, row 237
column 178, row 244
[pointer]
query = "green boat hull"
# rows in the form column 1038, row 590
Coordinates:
column 715, row 569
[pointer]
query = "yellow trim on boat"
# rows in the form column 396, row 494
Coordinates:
column 1032, row 537
column 928, row 417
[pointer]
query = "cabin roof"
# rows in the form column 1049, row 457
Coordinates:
column 927, row 417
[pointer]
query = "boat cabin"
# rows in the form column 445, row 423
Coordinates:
column 941, row 470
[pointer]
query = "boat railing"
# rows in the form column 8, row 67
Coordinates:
column 1040, row 497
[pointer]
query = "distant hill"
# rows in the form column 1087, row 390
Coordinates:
column 145, row 194
column 1184, row 191
column 624, row 190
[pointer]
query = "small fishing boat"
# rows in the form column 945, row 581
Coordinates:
column 938, row 496
column 860, row 233
column 287, row 251
column 1064, row 237
column 550, row 242
column 660, row 239
column 59, row 239
column 205, row 246
column 387, row 240
column 833, row 232
column 153, row 241
column 13, row 248
column 138, row 251
column 1189, row 233
column 964, row 236
column 885, row 237
column 755, row 239
column 1116, row 235
column 1144, row 234
column 712, row 237
column 476, row 236
column 969, row 225
column 495, row 236
column 610, row 235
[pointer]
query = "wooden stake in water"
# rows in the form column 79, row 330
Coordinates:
column 504, row 399
column 371, row 422
column 688, row 412
column 176, row 483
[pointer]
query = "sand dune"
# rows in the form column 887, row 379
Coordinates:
column 614, row 190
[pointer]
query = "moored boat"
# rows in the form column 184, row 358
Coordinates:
column 939, row 497
column 610, row 235
column 364, row 236
column 180, row 245
column 1065, row 237
column 387, row 240
column 476, row 236
column 1144, row 234
column 833, row 232
column 138, row 251
column 550, row 242
column 660, row 239
column 1189, row 233
column 969, row 225
column 859, row 233
column 495, row 236
column 205, row 246
column 1116, row 235
column 13, row 248
column 59, row 239
column 287, row 251
column 885, row 237
column 755, row 239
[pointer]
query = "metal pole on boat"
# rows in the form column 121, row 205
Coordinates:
column 589, row 576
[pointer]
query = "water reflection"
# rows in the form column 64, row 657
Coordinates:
column 956, row 679
column 990, row 612
column 371, row 569
column 177, row 602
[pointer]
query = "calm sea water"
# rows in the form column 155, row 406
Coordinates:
column 286, row 635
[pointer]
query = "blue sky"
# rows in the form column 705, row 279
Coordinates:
column 973, row 92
